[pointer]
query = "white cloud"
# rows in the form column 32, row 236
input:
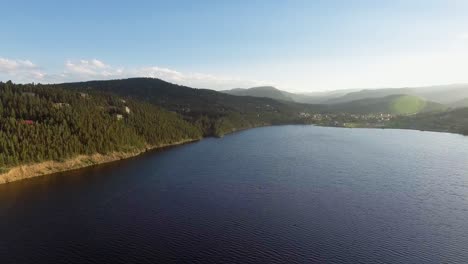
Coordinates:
column 95, row 69
column 199, row 80
column 398, row 70
column 9, row 66
column 20, row 70
column 92, row 67
column 25, row 71
column 463, row 36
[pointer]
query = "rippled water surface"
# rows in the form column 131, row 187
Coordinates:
column 289, row 194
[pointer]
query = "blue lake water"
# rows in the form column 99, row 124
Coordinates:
column 285, row 194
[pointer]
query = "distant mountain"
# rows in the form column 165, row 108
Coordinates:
column 393, row 104
column 454, row 121
column 444, row 94
column 459, row 104
column 449, row 95
column 351, row 101
column 331, row 93
column 214, row 112
column 263, row 91
column 322, row 97
column 277, row 94
column 217, row 113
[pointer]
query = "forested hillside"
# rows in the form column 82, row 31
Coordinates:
column 442, row 94
column 454, row 121
column 393, row 104
column 57, row 122
column 41, row 122
column 216, row 113
column 263, row 91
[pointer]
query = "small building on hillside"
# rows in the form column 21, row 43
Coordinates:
column 60, row 105
column 27, row 122
column 28, row 94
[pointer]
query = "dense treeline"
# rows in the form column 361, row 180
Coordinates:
column 56, row 122
column 454, row 121
column 41, row 122
column 214, row 112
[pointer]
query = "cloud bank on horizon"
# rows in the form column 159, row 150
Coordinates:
column 24, row 71
column 387, row 71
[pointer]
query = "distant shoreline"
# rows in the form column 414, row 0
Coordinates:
column 27, row 171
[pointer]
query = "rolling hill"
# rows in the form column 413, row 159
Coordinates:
column 217, row 113
column 277, row 94
column 454, row 121
column 43, row 122
column 460, row 103
column 220, row 111
column 449, row 95
column 263, row 91
column 443, row 94
column 393, row 104
column 124, row 115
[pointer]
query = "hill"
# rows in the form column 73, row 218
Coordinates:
column 264, row 91
column 277, row 94
column 215, row 112
column 443, row 94
column 43, row 123
column 460, row 103
column 393, row 104
column 454, row 121
column 62, row 121
column 322, row 97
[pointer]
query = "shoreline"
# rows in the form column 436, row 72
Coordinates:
column 44, row 168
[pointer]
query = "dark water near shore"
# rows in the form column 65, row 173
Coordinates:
column 289, row 194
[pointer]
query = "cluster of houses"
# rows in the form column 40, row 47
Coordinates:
column 120, row 112
column 61, row 105
column 370, row 116
column 347, row 119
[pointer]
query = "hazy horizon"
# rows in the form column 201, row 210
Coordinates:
column 250, row 87
column 296, row 46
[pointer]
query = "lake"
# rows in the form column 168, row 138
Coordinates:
column 285, row 194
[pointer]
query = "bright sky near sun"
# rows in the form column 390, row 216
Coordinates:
column 296, row 45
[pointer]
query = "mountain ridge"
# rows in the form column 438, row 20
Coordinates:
column 444, row 94
column 261, row 91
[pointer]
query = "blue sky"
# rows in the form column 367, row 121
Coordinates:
column 297, row 45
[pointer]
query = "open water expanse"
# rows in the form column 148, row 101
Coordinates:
column 285, row 194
